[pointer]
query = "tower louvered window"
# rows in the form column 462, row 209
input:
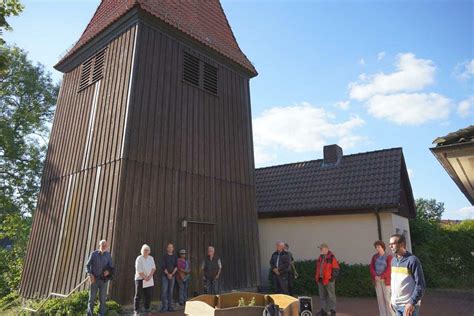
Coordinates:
column 191, row 69
column 92, row 70
column 210, row 78
column 199, row 73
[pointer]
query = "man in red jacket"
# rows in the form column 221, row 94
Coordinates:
column 327, row 269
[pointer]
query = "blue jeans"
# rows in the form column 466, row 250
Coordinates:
column 183, row 291
column 101, row 287
column 400, row 310
column 167, row 286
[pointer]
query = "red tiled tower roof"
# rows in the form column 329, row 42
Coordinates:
column 203, row 20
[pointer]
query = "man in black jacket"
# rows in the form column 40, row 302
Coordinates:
column 280, row 265
column 211, row 267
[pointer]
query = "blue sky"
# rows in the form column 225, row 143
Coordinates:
column 367, row 75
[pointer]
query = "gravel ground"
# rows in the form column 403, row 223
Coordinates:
column 435, row 303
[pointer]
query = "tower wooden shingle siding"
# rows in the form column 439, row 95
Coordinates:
column 152, row 127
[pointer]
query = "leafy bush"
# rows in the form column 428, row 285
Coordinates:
column 9, row 301
column 353, row 281
column 113, row 308
column 76, row 304
column 72, row 305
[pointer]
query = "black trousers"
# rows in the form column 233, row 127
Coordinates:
column 140, row 292
column 291, row 282
column 281, row 283
column 211, row 286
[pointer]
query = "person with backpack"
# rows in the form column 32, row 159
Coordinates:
column 182, row 277
column 327, row 270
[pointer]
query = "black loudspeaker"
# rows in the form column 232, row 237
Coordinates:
column 306, row 306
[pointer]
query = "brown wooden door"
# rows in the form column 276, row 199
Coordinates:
column 199, row 237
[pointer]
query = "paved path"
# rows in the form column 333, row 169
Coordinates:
column 435, row 303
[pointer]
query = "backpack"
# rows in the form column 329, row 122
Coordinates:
column 271, row 310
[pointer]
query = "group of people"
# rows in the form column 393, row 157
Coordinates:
column 327, row 269
column 173, row 268
column 398, row 280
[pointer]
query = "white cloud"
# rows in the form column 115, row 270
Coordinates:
column 465, row 70
column 398, row 96
column 409, row 108
column 412, row 74
column 410, row 173
column 380, row 56
column 301, row 128
column 343, row 105
column 466, row 212
column 465, row 107
column 362, row 62
column 262, row 156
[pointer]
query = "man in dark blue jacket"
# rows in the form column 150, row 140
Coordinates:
column 280, row 265
column 99, row 267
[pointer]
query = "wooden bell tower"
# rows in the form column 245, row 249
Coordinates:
column 151, row 143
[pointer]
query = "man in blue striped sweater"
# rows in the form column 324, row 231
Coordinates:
column 407, row 279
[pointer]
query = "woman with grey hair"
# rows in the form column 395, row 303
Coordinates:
column 144, row 269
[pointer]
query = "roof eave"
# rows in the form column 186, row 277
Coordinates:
column 405, row 181
column 71, row 61
column 439, row 152
column 329, row 211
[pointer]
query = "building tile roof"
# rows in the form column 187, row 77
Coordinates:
column 357, row 182
column 463, row 135
column 204, row 21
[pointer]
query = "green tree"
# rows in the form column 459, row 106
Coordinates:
column 14, row 228
column 27, row 100
column 7, row 8
column 429, row 210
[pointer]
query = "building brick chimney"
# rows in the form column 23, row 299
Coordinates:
column 332, row 153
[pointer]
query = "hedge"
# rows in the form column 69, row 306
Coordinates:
column 353, row 281
column 76, row 304
column 445, row 253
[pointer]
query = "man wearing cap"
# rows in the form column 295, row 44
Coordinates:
column 280, row 265
column 184, row 270
column 327, row 269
